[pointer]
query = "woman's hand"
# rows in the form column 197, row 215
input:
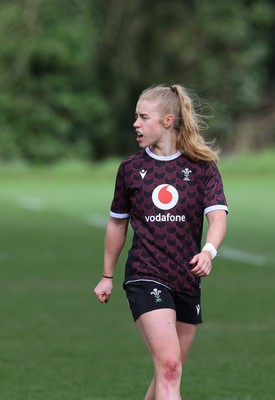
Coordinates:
column 202, row 263
column 103, row 290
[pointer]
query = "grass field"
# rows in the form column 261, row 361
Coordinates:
column 57, row 342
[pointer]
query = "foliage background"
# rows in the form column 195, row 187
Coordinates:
column 71, row 71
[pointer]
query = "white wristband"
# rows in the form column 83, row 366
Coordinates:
column 212, row 250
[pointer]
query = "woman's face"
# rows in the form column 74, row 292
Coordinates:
column 149, row 124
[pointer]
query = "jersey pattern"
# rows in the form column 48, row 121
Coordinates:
column 166, row 199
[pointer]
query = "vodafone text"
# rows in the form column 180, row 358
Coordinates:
column 165, row 217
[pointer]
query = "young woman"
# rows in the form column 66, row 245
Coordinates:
column 165, row 190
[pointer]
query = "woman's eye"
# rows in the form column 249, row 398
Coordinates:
column 141, row 116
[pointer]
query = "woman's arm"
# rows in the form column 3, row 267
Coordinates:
column 215, row 234
column 115, row 237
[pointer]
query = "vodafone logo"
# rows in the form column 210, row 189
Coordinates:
column 165, row 197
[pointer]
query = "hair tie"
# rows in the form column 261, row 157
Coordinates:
column 173, row 89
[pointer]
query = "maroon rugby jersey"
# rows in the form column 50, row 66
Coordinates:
column 166, row 199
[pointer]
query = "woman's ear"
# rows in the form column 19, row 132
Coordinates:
column 168, row 121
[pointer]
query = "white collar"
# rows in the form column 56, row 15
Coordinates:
column 162, row 158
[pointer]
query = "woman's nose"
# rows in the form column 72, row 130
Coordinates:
column 135, row 125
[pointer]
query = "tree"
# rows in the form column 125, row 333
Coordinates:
column 71, row 71
column 217, row 48
column 49, row 94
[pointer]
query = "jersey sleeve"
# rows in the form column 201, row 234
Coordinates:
column 214, row 198
column 120, row 207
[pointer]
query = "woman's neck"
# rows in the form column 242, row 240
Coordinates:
column 164, row 149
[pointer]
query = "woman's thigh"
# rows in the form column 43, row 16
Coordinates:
column 159, row 331
column 186, row 334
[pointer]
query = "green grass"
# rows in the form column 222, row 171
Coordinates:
column 57, row 342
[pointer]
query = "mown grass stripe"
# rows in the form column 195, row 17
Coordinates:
column 242, row 256
column 31, row 203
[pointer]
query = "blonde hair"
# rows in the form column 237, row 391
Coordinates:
column 187, row 123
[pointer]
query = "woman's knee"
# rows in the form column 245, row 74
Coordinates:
column 170, row 368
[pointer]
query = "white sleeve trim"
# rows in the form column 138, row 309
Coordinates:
column 216, row 207
column 119, row 216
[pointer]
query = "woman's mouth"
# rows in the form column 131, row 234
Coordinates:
column 139, row 136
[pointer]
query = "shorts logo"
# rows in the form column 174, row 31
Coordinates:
column 156, row 293
column 165, row 197
column 198, row 307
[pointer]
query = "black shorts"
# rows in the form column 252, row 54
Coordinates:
column 144, row 296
